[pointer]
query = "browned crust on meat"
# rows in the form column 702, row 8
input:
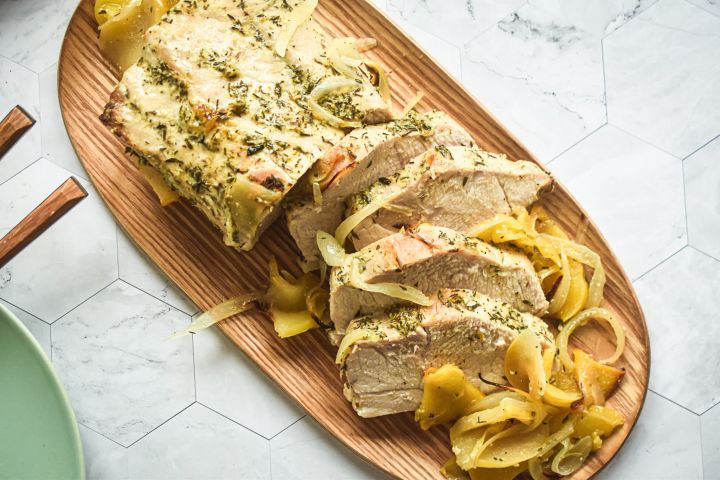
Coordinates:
column 109, row 117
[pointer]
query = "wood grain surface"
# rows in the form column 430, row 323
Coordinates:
column 12, row 127
column 190, row 251
column 57, row 204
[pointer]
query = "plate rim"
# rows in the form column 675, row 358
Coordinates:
column 38, row 352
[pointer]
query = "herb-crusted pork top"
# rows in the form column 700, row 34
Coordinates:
column 222, row 116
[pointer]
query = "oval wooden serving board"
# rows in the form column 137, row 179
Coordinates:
column 190, row 251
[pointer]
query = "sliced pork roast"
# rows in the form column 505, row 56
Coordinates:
column 455, row 187
column 384, row 369
column 361, row 158
column 430, row 258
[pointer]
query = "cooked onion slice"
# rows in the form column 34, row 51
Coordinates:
column 227, row 309
column 344, row 56
column 349, row 224
column 297, row 17
column 317, row 193
column 383, row 85
column 571, row 456
column 412, row 103
column 332, row 252
column 395, row 290
column 583, row 318
column 350, row 339
column 327, row 86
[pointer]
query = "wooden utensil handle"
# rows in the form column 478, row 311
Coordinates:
column 48, row 212
column 13, row 126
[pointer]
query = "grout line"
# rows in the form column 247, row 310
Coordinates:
column 702, row 456
column 284, row 429
column 84, row 301
column 25, row 311
column 703, row 253
column 674, row 402
column 631, row 19
column 50, row 353
column 661, row 263
column 702, row 8
column 102, row 435
column 685, row 202
column 127, row 282
column 490, row 27
column 163, row 423
column 576, row 143
column 646, row 142
column 270, row 459
column 710, row 408
column 192, row 340
column 22, row 170
column 605, row 97
column 117, row 247
column 700, row 147
column 233, row 421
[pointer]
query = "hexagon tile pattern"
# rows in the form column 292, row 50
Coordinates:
column 663, row 76
column 623, row 183
column 681, row 308
column 123, row 373
column 19, row 86
column 200, row 444
column 230, row 384
column 538, row 65
column 68, row 263
column 702, row 187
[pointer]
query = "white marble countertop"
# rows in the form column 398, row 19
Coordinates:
column 621, row 98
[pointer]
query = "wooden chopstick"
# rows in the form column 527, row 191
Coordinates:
column 12, row 127
column 48, row 212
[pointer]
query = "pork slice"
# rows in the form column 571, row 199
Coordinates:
column 429, row 258
column 356, row 162
column 465, row 328
column 449, row 186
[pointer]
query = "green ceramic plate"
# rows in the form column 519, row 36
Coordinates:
column 39, row 438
